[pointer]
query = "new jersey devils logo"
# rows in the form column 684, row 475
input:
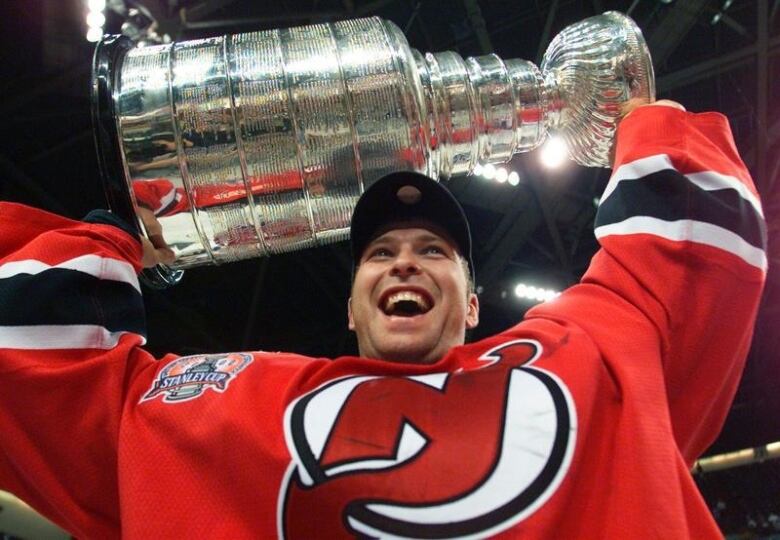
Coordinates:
column 445, row 455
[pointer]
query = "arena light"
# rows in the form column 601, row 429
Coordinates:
column 537, row 294
column 554, row 153
column 720, row 14
column 95, row 19
column 502, row 175
column 94, row 34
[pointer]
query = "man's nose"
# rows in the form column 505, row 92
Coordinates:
column 405, row 264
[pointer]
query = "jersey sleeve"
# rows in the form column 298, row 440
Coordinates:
column 675, row 287
column 70, row 329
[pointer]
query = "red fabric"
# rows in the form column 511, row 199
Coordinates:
column 580, row 422
column 160, row 196
column 164, row 199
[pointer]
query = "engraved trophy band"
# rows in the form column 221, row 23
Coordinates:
column 254, row 144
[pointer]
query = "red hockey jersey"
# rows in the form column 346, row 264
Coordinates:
column 582, row 421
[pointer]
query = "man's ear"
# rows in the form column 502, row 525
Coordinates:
column 350, row 319
column 472, row 313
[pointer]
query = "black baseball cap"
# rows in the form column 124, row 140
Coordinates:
column 404, row 196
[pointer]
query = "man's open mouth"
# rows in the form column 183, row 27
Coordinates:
column 406, row 303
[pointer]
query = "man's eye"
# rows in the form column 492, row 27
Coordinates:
column 380, row 252
column 433, row 250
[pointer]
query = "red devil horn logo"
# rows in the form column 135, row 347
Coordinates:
column 437, row 456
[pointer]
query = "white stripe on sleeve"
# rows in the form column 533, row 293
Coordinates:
column 94, row 265
column 67, row 336
column 689, row 230
column 706, row 180
column 710, row 181
column 636, row 170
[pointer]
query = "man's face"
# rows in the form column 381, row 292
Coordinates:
column 409, row 299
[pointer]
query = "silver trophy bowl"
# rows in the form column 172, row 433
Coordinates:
column 254, row 144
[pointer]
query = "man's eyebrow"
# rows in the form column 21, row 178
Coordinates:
column 432, row 238
column 380, row 240
column 422, row 238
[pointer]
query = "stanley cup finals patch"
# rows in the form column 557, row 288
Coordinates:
column 188, row 377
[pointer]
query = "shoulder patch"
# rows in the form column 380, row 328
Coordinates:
column 189, row 377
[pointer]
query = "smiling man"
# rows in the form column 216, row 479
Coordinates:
column 581, row 421
column 412, row 294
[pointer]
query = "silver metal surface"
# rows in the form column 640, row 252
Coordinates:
column 261, row 143
column 592, row 70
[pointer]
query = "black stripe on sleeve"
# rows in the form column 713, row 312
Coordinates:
column 65, row 297
column 670, row 196
column 107, row 218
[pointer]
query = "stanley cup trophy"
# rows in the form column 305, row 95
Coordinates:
column 254, row 144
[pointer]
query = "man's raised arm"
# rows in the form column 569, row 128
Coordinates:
column 681, row 267
column 71, row 326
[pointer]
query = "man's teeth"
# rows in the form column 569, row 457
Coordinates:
column 406, row 296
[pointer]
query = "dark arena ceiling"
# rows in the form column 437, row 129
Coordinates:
column 708, row 54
